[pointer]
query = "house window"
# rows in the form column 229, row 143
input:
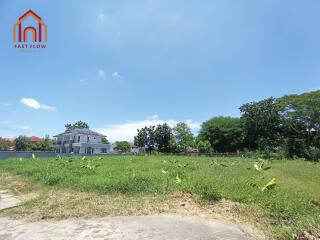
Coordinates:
column 78, row 138
column 87, row 139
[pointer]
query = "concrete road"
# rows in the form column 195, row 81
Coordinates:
column 7, row 200
column 158, row 227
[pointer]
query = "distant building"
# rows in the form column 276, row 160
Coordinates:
column 35, row 139
column 133, row 148
column 81, row 141
column 11, row 141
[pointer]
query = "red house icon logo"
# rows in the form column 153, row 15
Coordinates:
column 39, row 31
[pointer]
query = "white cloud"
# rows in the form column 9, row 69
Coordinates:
column 33, row 103
column 9, row 126
column 101, row 16
column 154, row 116
column 101, row 73
column 115, row 74
column 23, row 127
column 127, row 131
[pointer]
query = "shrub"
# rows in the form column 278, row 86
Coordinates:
column 204, row 147
column 312, row 154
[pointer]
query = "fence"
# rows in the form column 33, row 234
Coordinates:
column 27, row 154
column 24, row 154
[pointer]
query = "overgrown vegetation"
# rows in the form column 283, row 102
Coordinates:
column 281, row 195
column 287, row 127
column 23, row 143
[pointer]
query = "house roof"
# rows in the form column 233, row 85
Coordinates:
column 35, row 139
column 30, row 13
column 84, row 131
column 131, row 144
column 9, row 139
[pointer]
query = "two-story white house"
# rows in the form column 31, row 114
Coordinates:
column 81, row 141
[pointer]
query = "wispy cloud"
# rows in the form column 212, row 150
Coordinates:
column 33, row 103
column 7, row 125
column 154, row 116
column 101, row 16
column 117, row 75
column 127, row 131
column 23, row 127
column 5, row 104
column 101, row 73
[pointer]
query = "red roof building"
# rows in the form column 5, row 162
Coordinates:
column 35, row 139
column 8, row 139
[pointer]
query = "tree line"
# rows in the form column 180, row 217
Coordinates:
column 23, row 143
column 164, row 139
column 274, row 127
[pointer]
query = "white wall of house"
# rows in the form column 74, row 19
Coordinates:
column 83, row 138
column 82, row 144
column 86, row 138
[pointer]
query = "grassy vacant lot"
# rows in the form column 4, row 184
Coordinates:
column 282, row 209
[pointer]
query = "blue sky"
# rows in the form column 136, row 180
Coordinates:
column 119, row 65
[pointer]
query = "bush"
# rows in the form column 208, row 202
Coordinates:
column 295, row 147
column 312, row 154
column 209, row 193
column 204, row 147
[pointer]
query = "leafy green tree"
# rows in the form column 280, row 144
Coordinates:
column 163, row 135
column 174, row 148
column 4, row 145
column 22, row 143
column 301, row 123
column 146, row 139
column 204, row 147
column 123, row 145
column 262, row 123
column 104, row 140
column 45, row 145
column 225, row 134
column 141, row 138
column 78, row 124
column 183, row 135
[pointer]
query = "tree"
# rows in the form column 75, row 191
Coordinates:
column 4, row 144
column 47, row 144
column 44, row 145
column 123, row 145
column 301, row 114
column 22, row 143
column 225, row 134
column 262, row 123
column 104, row 140
column 78, row 124
column 146, row 138
column 183, row 135
column 204, row 147
column 163, row 135
column 174, row 148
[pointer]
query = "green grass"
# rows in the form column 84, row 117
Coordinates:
column 284, row 209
